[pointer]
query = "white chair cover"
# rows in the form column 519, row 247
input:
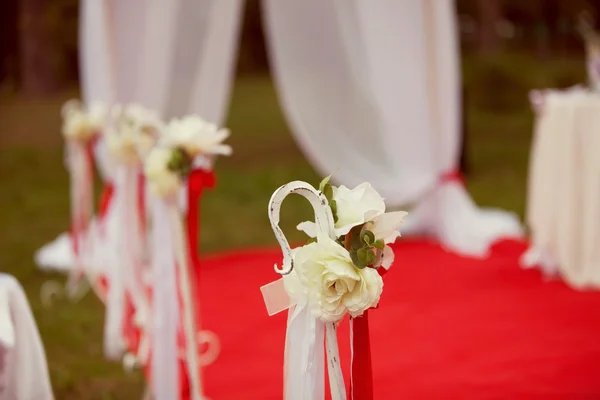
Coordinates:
column 563, row 202
column 23, row 367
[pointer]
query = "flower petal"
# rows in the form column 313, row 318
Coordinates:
column 387, row 226
column 308, row 227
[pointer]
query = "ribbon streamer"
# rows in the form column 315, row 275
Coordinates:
column 81, row 175
column 303, row 376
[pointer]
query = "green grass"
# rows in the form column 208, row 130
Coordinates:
column 34, row 194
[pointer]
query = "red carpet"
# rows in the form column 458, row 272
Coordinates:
column 447, row 328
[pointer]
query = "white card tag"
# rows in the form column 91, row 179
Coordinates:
column 276, row 298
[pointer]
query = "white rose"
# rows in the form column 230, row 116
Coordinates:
column 162, row 181
column 325, row 278
column 196, row 136
column 83, row 124
column 135, row 133
column 354, row 207
column 121, row 144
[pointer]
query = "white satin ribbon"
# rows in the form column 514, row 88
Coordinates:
column 304, row 355
column 165, row 322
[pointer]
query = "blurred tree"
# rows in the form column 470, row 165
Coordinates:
column 252, row 56
column 8, row 42
column 39, row 71
column 490, row 13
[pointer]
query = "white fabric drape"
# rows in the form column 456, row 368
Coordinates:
column 378, row 100
column 177, row 57
column 23, row 367
column 563, row 203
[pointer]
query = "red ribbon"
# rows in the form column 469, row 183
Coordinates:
column 197, row 181
column 105, row 199
column 361, row 384
column 452, row 176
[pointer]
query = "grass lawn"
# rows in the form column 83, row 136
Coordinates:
column 34, row 194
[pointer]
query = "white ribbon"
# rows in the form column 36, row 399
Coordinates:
column 304, row 357
column 189, row 324
column 165, row 322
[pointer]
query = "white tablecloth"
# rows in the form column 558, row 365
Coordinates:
column 563, row 203
column 23, row 368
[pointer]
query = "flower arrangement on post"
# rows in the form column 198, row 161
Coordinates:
column 346, row 277
column 131, row 133
column 81, row 127
column 337, row 273
column 185, row 141
column 182, row 155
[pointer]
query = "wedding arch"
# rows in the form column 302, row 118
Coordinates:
column 370, row 90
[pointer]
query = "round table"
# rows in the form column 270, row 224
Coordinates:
column 563, row 200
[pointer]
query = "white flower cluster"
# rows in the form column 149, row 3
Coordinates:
column 81, row 123
column 133, row 132
column 183, row 140
column 137, row 135
column 339, row 277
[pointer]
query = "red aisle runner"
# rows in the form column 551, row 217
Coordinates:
column 447, row 327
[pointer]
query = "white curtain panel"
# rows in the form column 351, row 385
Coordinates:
column 23, row 367
column 371, row 90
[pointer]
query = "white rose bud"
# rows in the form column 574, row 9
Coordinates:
column 354, row 207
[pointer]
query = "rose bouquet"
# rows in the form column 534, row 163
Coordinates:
column 337, row 273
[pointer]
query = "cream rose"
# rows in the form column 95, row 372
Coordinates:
column 354, row 207
column 325, row 278
column 196, row 137
column 162, row 181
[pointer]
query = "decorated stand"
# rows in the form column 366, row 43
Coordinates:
column 82, row 127
column 564, row 177
column 181, row 161
column 338, row 273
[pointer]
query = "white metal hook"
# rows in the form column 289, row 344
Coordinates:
column 323, row 217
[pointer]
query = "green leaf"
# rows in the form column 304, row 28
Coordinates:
column 367, row 237
column 365, row 257
column 355, row 242
column 370, row 257
column 355, row 259
column 328, row 192
column 333, row 206
column 324, row 182
column 180, row 162
column 311, row 240
column 379, row 244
